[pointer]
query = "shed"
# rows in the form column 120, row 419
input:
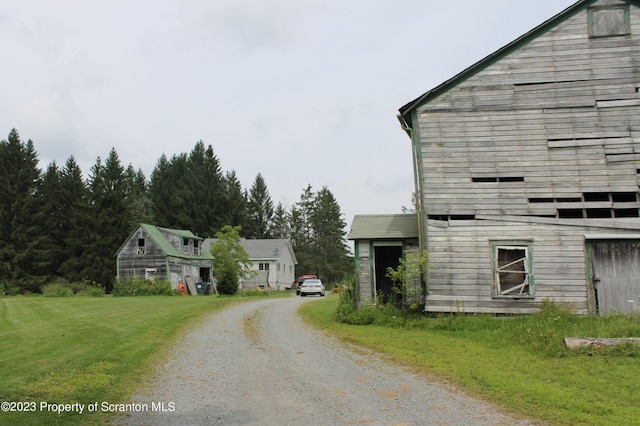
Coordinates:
column 379, row 243
column 176, row 255
column 527, row 169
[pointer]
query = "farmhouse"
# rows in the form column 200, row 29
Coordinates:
column 527, row 170
column 273, row 261
column 176, row 255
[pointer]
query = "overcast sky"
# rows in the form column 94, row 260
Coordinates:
column 301, row 91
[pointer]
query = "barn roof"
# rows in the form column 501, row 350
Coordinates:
column 384, row 226
column 405, row 111
column 156, row 233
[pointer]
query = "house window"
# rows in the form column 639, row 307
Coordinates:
column 141, row 247
column 185, row 246
column 150, row 273
column 609, row 21
column 263, row 266
column 196, row 248
column 512, row 266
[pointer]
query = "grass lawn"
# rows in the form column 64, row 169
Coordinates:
column 85, row 350
column 518, row 363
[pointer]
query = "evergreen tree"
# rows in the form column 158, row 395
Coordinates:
column 138, row 201
column 234, row 202
column 187, row 191
column 260, row 210
column 106, row 222
column 19, row 232
column 281, row 223
column 74, row 206
column 302, row 232
column 329, row 244
column 52, row 220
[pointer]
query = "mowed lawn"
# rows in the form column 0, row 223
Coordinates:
column 85, row 350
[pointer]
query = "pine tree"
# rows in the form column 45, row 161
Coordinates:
column 74, row 202
column 302, row 232
column 234, row 203
column 260, row 210
column 19, row 232
column 329, row 244
column 52, row 220
column 281, row 223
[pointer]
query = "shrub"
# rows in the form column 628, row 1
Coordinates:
column 63, row 288
column 58, row 288
column 136, row 286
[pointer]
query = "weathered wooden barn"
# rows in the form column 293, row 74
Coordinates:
column 527, row 169
column 175, row 255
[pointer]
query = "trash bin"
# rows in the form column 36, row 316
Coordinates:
column 203, row 288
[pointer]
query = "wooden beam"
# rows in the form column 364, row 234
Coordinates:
column 582, row 342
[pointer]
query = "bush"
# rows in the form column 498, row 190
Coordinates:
column 136, row 286
column 63, row 288
column 348, row 312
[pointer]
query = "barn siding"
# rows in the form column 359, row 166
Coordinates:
column 460, row 274
column 550, row 113
column 131, row 264
column 365, row 288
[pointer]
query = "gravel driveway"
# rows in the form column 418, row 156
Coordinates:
column 258, row 364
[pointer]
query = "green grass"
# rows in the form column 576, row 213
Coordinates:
column 86, row 349
column 516, row 362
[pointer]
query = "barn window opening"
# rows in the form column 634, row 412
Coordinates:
column 141, row 246
column 498, row 179
column 196, row 248
column 556, row 200
column 570, row 213
column 595, row 196
column 624, row 197
column 446, row 218
column 626, row 213
column 512, row 271
column 609, row 21
column 598, row 213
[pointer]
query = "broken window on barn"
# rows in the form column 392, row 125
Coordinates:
column 141, row 246
column 512, row 270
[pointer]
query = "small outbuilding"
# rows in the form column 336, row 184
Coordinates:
column 379, row 243
column 176, row 255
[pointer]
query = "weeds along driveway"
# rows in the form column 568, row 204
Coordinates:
column 257, row 363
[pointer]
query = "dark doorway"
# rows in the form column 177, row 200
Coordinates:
column 205, row 275
column 386, row 257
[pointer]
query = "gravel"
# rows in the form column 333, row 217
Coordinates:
column 258, row 364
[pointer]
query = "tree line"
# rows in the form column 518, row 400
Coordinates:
column 55, row 223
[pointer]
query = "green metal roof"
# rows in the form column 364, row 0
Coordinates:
column 156, row 233
column 405, row 111
column 384, row 227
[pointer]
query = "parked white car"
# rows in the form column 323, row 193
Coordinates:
column 312, row 287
